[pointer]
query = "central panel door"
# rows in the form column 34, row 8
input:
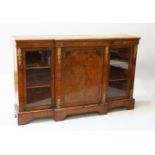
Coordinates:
column 82, row 74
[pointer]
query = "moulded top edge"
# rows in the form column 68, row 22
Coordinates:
column 74, row 37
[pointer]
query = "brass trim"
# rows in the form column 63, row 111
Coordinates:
column 19, row 55
column 104, row 98
column 106, row 59
column 58, row 103
column 106, row 53
column 59, row 55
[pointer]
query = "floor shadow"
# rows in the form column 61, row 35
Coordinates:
column 139, row 104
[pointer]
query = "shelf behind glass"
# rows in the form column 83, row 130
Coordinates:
column 117, row 73
column 38, row 78
column 117, row 89
column 120, row 54
column 38, row 58
column 119, row 63
column 115, row 92
column 38, row 96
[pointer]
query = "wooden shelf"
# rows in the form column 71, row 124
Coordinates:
column 117, row 74
column 120, row 53
column 43, row 102
column 113, row 79
column 38, row 67
column 38, row 86
column 119, row 63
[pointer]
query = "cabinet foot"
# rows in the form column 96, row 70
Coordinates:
column 103, row 110
column 22, row 119
column 130, row 106
column 27, row 116
column 59, row 115
column 128, row 103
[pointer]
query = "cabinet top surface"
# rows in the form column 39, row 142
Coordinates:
column 74, row 37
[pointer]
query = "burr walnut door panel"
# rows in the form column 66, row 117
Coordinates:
column 81, row 78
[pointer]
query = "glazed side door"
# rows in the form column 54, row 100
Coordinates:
column 120, row 72
column 36, row 80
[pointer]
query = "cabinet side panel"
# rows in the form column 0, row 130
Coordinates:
column 15, row 75
column 132, row 75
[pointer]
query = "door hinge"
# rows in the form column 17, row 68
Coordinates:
column 58, row 103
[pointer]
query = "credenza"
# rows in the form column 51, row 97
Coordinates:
column 59, row 76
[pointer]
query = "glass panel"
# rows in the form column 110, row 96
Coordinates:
column 117, row 89
column 38, row 59
column 38, row 77
column 38, row 96
column 119, row 63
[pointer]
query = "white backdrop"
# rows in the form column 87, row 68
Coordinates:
column 145, row 71
column 145, row 31
column 46, row 135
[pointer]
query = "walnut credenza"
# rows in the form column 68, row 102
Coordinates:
column 57, row 76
